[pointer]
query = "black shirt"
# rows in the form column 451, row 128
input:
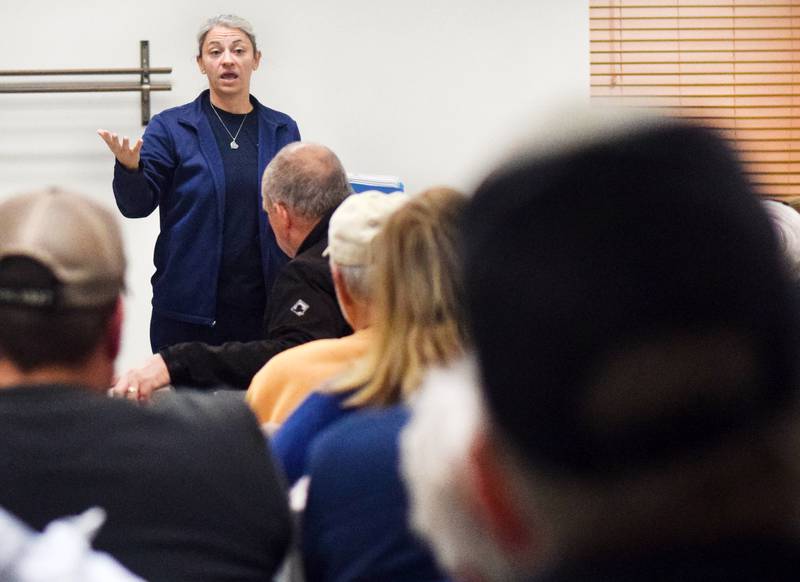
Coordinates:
column 187, row 484
column 241, row 294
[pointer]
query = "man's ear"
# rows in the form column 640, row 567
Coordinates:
column 342, row 292
column 282, row 212
column 113, row 342
column 200, row 66
column 494, row 503
column 256, row 60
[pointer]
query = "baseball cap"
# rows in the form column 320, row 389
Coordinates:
column 74, row 238
column 627, row 298
column 355, row 223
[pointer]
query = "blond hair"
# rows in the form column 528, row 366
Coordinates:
column 416, row 284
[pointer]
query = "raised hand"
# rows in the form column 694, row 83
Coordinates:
column 126, row 155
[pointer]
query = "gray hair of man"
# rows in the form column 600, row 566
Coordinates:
column 434, row 449
column 226, row 21
column 306, row 177
column 786, row 222
column 356, row 277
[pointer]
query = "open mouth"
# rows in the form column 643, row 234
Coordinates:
column 230, row 76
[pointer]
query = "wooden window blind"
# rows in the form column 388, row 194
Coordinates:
column 731, row 64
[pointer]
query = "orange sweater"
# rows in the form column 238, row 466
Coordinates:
column 286, row 379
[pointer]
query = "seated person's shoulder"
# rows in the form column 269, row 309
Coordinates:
column 315, row 352
column 303, row 360
column 197, row 428
column 365, row 427
column 281, row 367
column 205, row 412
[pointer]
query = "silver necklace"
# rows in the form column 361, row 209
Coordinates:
column 234, row 145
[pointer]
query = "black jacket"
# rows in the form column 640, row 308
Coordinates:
column 748, row 559
column 302, row 307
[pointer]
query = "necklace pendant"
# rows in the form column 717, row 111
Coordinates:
column 234, row 145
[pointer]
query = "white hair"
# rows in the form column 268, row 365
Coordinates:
column 786, row 223
column 434, row 446
column 357, row 280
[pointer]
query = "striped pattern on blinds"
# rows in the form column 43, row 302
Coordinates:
column 731, row 64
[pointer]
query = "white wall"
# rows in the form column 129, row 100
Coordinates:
column 429, row 90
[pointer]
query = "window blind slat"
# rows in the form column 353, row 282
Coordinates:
column 734, row 66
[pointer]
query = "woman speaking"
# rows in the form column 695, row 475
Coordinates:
column 200, row 163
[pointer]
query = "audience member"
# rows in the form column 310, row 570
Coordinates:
column 416, row 322
column 302, row 186
column 187, row 485
column 355, row 524
column 282, row 384
column 637, row 336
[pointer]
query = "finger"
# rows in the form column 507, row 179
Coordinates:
column 105, row 136
column 132, row 392
column 138, row 147
column 113, row 143
column 145, row 392
column 118, row 390
column 126, row 143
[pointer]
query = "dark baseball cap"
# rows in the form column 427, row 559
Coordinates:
column 627, row 298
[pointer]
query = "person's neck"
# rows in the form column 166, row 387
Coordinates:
column 301, row 228
column 94, row 374
column 358, row 315
column 237, row 104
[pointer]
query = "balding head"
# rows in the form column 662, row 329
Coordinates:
column 307, row 178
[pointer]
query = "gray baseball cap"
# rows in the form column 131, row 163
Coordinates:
column 75, row 238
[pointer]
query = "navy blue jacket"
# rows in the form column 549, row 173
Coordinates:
column 290, row 444
column 355, row 525
column 181, row 172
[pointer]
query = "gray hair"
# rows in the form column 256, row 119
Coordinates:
column 226, row 21
column 308, row 178
column 357, row 279
column 786, row 223
column 434, row 451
